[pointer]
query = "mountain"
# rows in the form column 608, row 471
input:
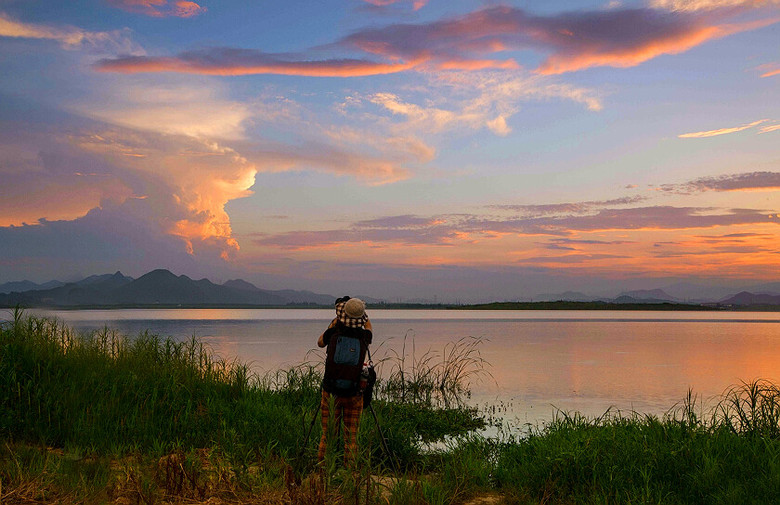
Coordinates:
column 163, row 287
column 109, row 281
column 159, row 287
column 292, row 296
column 647, row 295
column 241, row 284
column 20, row 286
column 567, row 296
column 746, row 299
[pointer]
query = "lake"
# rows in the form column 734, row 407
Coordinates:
column 586, row 361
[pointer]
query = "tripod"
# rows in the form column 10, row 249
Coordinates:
column 376, row 423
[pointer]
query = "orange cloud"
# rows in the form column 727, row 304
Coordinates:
column 416, row 4
column 769, row 69
column 721, row 131
column 678, row 40
column 245, row 62
column 160, row 8
column 199, row 177
column 70, row 37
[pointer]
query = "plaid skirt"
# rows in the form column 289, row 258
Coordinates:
column 346, row 409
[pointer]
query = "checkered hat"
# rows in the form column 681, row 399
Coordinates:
column 352, row 313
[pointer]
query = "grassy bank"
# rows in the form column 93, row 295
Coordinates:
column 103, row 418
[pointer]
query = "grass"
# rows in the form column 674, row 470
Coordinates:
column 100, row 418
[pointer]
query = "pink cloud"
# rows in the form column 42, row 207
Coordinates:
column 160, row 8
column 229, row 61
column 574, row 41
column 416, row 4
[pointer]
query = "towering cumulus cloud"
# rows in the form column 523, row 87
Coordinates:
column 186, row 181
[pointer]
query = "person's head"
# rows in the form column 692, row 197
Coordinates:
column 351, row 312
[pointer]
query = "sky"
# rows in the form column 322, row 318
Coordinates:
column 399, row 149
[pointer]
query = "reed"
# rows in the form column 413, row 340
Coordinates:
column 110, row 397
column 433, row 378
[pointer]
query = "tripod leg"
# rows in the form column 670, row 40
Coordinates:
column 311, row 426
column 382, row 438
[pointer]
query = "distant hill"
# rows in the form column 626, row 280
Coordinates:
column 746, row 299
column 567, row 296
column 159, row 287
column 21, row 286
column 646, row 296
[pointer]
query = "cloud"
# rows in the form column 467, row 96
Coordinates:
column 706, row 5
column 448, row 230
column 369, row 168
column 749, row 181
column 46, row 177
column 200, row 175
column 567, row 208
column 160, row 8
column 113, row 236
column 569, row 259
column 767, row 129
column 416, row 4
column 231, row 61
column 71, row 37
column 78, row 165
column 574, row 41
column 721, row 131
column 456, row 101
column 577, row 40
column 769, row 69
column 175, row 107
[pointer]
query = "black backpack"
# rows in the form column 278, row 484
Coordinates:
column 344, row 362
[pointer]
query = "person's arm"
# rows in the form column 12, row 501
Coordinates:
column 321, row 341
column 368, row 326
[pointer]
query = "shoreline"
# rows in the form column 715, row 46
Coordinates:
column 509, row 306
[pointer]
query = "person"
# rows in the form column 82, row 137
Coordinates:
column 347, row 339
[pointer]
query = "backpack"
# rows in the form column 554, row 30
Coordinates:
column 344, row 362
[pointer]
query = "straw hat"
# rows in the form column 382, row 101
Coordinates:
column 352, row 313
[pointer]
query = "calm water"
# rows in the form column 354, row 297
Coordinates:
column 540, row 360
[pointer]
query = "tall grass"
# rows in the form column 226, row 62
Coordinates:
column 107, row 394
column 730, row 455
column 433, row 378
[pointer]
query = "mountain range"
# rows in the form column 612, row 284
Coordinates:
column 161, row 287
column 158, row 287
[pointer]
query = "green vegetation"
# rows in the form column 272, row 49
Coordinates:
column 103, row 418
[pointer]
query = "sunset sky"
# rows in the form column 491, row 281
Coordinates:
column 393, row 148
